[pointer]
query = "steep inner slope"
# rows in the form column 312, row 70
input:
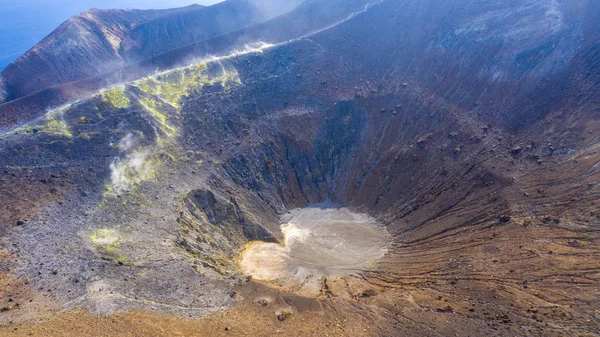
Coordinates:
column 477, row 152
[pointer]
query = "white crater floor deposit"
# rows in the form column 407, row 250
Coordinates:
column 319, row 243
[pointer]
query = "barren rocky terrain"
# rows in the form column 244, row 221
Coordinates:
column 98, row 42
column 463, row 135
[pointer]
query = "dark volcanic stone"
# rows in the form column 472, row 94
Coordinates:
column 368, row 293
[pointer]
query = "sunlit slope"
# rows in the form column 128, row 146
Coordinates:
column 301, row 21
column 97, row 42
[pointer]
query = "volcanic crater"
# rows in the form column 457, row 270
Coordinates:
column 334, row 183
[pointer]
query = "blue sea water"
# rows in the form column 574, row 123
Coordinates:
column 23, row 23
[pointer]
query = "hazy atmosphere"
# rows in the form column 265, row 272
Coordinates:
column 25, row 23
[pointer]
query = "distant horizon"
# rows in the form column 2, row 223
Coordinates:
column 25, row 23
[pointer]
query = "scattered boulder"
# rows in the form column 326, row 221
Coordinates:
column 504, row 219
column 447, row 309
column 368, row 293
column 263, row 302
column 283, row 316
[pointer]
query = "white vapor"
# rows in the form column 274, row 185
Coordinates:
column 272, row 8
column 2, row 90
column 130, row 170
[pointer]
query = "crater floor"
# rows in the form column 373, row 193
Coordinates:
column 320, row 242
